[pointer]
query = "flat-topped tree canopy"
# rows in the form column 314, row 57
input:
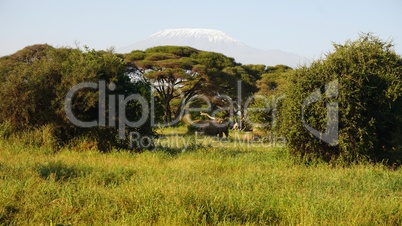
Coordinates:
column 178, row 73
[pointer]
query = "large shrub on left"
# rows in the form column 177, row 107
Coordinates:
column 36, row 79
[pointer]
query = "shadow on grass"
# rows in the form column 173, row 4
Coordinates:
column 7, row 214
column 393, row 160
column 223, row 152
column 61, row 171
column 101, row 176
column 176, row 151
column 209, row 212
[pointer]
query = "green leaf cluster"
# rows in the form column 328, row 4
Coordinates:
column 36, row 79
column 368, row 72
column 180, row 73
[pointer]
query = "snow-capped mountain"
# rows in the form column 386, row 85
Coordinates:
column 216, row 41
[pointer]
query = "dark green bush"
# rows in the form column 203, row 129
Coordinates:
column 34, row 84
column 368, row 73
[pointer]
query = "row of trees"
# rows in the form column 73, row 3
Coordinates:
column 353, row 96
column 178, row 74
column 37, row 79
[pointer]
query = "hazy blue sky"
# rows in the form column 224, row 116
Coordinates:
column 306, row 28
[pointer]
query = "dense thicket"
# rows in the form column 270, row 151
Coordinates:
column 362, row 79
column 263, row 110
column 36, row 79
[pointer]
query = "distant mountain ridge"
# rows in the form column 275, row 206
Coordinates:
column 216, row 41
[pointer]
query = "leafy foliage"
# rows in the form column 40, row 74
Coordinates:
column 35, row 82
column 271, row 88
column 369, row 73
column 180, row 73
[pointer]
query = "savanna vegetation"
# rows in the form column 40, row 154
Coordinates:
column 207, row 184
column 360, row 82
column 283, row 166
column 34, row 85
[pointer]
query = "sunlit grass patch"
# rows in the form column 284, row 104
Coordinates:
column 209, row 184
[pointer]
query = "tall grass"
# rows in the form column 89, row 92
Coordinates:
column 206, row 185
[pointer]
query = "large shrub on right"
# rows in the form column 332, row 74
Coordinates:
column 369, row 89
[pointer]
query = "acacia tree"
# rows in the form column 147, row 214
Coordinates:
column 175, row 76
column 241, row 87
column 180, row 73
column 172, row 84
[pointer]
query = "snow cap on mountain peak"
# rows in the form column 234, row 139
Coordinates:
column 196, row 33
column 215, row 41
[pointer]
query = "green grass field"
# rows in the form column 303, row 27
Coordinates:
column 205, row 184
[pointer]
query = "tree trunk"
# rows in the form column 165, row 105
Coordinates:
column 168, row 114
